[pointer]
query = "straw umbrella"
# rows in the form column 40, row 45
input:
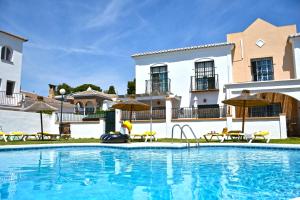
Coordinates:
column 40, row 106
column 131, row 105
column 246, row 100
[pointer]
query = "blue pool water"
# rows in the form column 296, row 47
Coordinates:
column 105, row 173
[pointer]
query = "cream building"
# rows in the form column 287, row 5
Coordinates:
column 266, row 62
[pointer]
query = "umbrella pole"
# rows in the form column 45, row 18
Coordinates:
column 130, row 117
column 243, row 123
column 42, row 131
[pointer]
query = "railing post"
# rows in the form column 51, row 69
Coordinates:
column 168, row 114
column 229, row 122
column 118, row 114
column 283, row 128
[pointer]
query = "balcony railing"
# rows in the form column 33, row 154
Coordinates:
column 204, row 83
column 14, row 99
column 144, row 115
column 158, row 86
column 73, row 117
column 197, row 113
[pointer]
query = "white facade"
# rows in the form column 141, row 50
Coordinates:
column 11, row 70
column 295, row 40
column 181, row 67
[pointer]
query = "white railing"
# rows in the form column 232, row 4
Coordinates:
column 14, row 99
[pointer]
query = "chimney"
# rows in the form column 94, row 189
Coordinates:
column 52, row 91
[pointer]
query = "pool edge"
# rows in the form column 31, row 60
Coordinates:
column 143, row 145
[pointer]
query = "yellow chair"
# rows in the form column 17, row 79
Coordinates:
column 146, row 135
column 3, row 136
column 261, row 135
column 15, row 135
column 220, row 136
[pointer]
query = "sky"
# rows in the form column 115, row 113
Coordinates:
column 91, row 41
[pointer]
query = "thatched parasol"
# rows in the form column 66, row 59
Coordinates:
column 131, row 105
column 246, row 100
column 40, row 106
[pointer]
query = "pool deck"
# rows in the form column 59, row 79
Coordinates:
column 154, row 145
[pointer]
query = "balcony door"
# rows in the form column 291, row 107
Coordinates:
column 10, row 86
column 159, row 78
column 205, row 75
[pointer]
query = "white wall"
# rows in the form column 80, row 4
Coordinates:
column 296, row 53
column 201, row 127
column 82, row 129
column 30, row 123
column 87, row 129
column 181, row 67
column 253, row 125
column 23, row 121
column 164, row 130
column 11, row 71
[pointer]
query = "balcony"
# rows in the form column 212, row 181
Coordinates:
column 204, row 84
column 198, row 113
column 158, row 86
column 14, row 99
column 157, row 114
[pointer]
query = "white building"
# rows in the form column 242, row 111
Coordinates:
column 11, row 47
column 195, row 74
column 263, row 58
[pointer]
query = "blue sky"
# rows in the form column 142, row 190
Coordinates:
column 91, row 41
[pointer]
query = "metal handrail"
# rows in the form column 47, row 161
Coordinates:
column 181, row 133
column 186, row 125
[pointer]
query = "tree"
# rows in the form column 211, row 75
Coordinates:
column 65, row 86
column 131, row 87
column 111, row 90
column 84, row 87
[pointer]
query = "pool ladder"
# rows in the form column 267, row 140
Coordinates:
column 182, row 133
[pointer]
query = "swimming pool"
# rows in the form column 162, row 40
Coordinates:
column 110, row 173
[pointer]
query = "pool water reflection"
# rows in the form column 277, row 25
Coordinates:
column 105, row 173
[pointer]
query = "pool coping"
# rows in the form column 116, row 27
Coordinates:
column 148, row 145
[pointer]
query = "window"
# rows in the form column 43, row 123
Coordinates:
column 209, row 111
column 262, row 69
column 6, row 54
column 159, row 79
column 265, row 111
column 10, row 86
column 205, row 75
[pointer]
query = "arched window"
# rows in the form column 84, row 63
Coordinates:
column 6, row 54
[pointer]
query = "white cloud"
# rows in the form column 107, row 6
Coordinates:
column 70, row 50
column 111, row 13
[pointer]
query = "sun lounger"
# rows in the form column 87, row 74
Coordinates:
column 52, row 136
column 145, row 136
column 220, row 136
column 261, row 135
column 3, row 136
column 236, row 135
column 15, row 135
column 26, row 136
column 49, row 136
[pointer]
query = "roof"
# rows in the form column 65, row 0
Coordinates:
column 15, row 36
column 91, row 92
column 295, row 35
column 31, row 98
column 183, row 49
